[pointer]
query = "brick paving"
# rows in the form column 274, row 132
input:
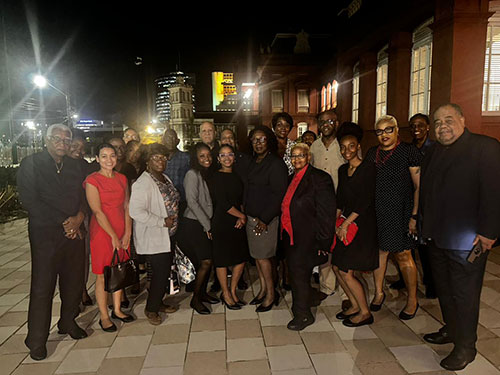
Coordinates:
column 235, row 342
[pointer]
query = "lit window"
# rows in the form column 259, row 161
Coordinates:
column 355, row 93
column 277, row 100
column 323, row 99
column 491, row 88
column 329, row 96
column 381, row 106
column 303, row 101
column 301, row 128
column 420, row 85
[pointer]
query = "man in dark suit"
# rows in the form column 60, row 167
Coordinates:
column 307, row 228
column 50, row 189
column 460, row 206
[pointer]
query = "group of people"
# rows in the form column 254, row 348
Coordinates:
column 290, row 207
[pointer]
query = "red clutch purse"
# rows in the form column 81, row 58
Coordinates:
column 352, row 229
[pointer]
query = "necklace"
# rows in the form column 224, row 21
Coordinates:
column 59, row 169
column 378, row 160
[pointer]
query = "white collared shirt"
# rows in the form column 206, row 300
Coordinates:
column 327, row 159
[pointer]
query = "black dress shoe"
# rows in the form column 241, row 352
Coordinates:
column 342, row 315
column 75, row 332
column 406, row 316
column 242, row 284
column 458, row 359
column 349, row 323
column 398, row 285
column 257, row 300
column 38, row 354
column 209, row 299
column 199, row 307
column 241, row 302
column 235, row 306
column 126, row 319
column 111, row 328
column 377, row 307
column 298, row 324
column 262, row 308
column 438, row 338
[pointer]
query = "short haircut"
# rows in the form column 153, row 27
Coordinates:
column 207, row 122
column 386, row 118
column 103, row 146
column 126, row 130
column 456, row 107
column 327, row 111
column 272, row 141
column 228, row 146
column 60, row 127
column 422, row 116
column 226, row 130
column 153, row 149
column 284, row 116
column 301, row 145
column 310, row 133
column 350, row 129
column 131, row 144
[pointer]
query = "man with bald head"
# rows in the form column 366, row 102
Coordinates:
column 460, row 208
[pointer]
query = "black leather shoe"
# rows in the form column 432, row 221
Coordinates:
column 458, row 359
column 241, row 302
column 257, row 300
column 199, row 307
column 298, row 324
column 126, row 319
column 75, row 332
column 111, row 328
column 406, row 316
column 38, row 354
column 209, row 299
column 235, row 306
column 438, row 338
column 348, row 323
column 262, row 308
column 342, row 315
column 377, row 307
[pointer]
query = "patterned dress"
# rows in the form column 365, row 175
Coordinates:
column 171, row 197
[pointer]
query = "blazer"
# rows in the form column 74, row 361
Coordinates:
column 199, row 203
column 459, row 191
column 147, row 208
column 313, row 211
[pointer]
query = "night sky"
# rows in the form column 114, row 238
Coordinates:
column 88, row 50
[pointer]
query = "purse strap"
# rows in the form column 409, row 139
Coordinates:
column 115, row 256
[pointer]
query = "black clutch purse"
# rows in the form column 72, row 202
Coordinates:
column 120, row 275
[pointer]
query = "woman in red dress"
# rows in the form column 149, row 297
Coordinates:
column 110, row 228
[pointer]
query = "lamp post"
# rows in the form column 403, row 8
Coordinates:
column 41, row 82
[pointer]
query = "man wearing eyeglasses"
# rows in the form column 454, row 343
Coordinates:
column 460, row 207
column 326, row 156
column 50, row 189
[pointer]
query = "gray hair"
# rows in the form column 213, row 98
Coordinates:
column 61, row 127
column 303, row 146
column 386, row 118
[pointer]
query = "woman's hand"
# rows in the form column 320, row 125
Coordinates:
column 125, row 241
column 412, row 227
column 240, row 223
column 342, row 232
column 169, row 221
column 209, row 235
column 115, row 241
column 260, row 227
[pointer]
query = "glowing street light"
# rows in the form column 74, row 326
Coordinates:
column 30, row 125
column 40, row 81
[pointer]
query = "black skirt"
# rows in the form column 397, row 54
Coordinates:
column 193, row 241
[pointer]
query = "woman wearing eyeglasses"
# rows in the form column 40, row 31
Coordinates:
column 307, row 229
column 154, row 206
column 396, row 193
column 230, row 248
column 265, row 187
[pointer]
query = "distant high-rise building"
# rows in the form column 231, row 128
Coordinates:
column 224, row 93
column 162, row 101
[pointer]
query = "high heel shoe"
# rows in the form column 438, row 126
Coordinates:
column 125, row 319
column 111, row 328
column 209, row 299
column 257, row 300
column 230, row 307
column 406, row 316
column 199, row 307
column 377, row 307
column 262, row 308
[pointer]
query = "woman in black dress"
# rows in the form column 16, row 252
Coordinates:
column 397, row 188
column 229, row 239
column 355, row 202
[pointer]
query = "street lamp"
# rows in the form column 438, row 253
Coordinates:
column 41, row 82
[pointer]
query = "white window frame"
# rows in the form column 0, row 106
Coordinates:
column 382, row 72
column 355, row 93
column 302, row 101
column 486, row 109
column 277, row 105
column 422, row 41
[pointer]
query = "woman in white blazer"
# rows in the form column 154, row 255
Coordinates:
column 154, row 206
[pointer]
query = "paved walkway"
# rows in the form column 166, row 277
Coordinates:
column 234, row 342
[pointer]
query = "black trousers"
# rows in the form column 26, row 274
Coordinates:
column 160, row 265
column 53, row 256
column 458, row 286
column 301, row 260
column 423, row 252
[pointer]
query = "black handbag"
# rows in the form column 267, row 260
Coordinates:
column 120, row 275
